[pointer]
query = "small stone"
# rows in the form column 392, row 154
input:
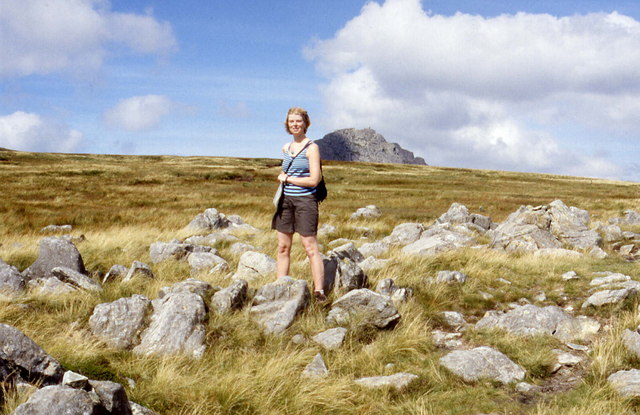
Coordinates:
column 316, row 369
column 75, row 380
column 331, row 339
column 571, row 275
column 398, row 381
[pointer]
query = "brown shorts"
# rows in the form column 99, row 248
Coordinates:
column 297, row 214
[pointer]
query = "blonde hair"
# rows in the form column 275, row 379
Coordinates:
column 297, row 111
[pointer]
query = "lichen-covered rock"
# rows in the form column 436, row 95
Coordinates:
column 208, row 220
column 370, row 211
column 253, row 265
column 58, row 399
column 54, row 252
column 316, row 369
column 404, row 234
column 371, row 308
column 349, row 251
column 22, row 353
column 113, row 398
column 398, row 381
column 331, row 339
column 230, row 298
column 207, row 262
column 451, row 277
column 631, row 340
column 11, row 281
column 373, row 249
column 138, row 269
column 605, row 297
column 120, row 322
column 276, row 305
column 626, row 382
column 75, row 278
column 525, row 320
column 580, row 328
column 177, row 326
column 482, row 362
column 190, row 285
column 161, row 251
column 117, row 271
column 437, row 240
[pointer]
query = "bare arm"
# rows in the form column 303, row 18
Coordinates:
column 315, row 172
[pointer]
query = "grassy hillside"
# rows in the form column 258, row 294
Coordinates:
column 122, row 204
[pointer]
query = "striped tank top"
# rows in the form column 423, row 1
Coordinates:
column 299, row 168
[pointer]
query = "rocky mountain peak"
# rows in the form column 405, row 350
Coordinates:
column 366, row 145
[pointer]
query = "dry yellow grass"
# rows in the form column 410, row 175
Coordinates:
column 122, row 204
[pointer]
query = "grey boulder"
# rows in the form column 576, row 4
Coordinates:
column 120, row 322
column 177, row 326
column 276, row 305
column 626, row 382
column 398, row 381
column 58, row 399
column 253, row 265
column 54, row 252
column 22, row 353
column 11, row 281
column 482, row 362
column 230, row 298
column 372, row 309
column 525, row 320
column 75, row 278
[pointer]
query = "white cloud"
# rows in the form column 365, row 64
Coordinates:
column 45, row 36
column 139, row 113
column 471, row 91
column 30, row 132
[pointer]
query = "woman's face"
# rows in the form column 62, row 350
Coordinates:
column 295, row 122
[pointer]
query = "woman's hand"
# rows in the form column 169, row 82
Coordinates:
column 282, row 177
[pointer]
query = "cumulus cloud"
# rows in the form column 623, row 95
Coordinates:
column 46, row 36
column 31, row 132
column 139, row 113
column 472, row 91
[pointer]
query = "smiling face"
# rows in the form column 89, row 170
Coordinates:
column 296, row 124
column 298, row 119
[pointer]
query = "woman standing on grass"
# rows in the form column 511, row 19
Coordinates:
column 298, row 210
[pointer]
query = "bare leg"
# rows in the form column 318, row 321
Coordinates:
column 284, row 253
column 317, row 267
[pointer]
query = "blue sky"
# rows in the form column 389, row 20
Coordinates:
column 538, row 86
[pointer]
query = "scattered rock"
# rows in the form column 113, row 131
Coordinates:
column 570, row 275
column 75, row 278
column 580, row 328
column 75, row 380
column 404, row 234
column 161, row 251
column 525, row 320
column 230, row 298
column 316, row 369
column 190, row 285
column 373, row 249
column 11, row 281
column 211, row 239
column 51, row 286
column 349, row 251
column 388, row 287
column 368, row 212
column 453, row 319
column 177, row 326
column 331, row 339
column 373, row 264
column 253, row 265
column 207, row 221
column 626, row 382
column 370, row 308
column 207, row 262
column 240, row 248
column 436, row 240
column 450, row 277
column 277, row 304
column 56, row 229
column 120, row 322
column 605, row 297
column 398, row 381
column 23, row 354
column 115, row 272
column 631, row 340
column 54, row 252
column 58, row 399
column 482, row 362
column 447, row 340
column 138, row 269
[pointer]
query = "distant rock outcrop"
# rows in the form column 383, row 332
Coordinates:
column 365, row 145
